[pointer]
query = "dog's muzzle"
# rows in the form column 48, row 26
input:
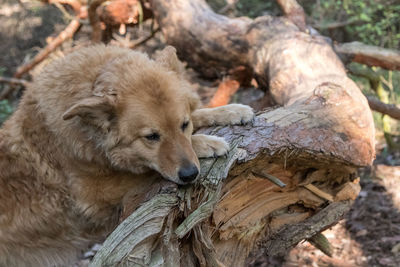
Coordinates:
column 188, row 174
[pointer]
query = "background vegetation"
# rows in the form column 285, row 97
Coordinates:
column 373, row 22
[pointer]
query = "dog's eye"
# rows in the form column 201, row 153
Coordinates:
column 184, row 126
column 153, row 137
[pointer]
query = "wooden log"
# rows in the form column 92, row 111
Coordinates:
column 294, row 12
column 319, row 136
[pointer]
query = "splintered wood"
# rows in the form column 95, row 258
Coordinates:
column 291, row 172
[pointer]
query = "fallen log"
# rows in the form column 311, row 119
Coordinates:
column 290, row 174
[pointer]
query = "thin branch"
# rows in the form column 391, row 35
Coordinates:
column 375, row 81
column 22, row 82
column 391, row 110
column 56, row 42
column 335, row 25
column 369, row 55
column 144, row 39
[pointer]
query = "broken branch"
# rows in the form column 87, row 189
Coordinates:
column 56, row 42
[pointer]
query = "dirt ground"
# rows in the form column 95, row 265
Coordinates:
column 368, row 236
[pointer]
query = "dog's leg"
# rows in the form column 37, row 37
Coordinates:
column 206, row 146
column 224, row 115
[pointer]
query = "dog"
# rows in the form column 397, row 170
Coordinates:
column 97, row 125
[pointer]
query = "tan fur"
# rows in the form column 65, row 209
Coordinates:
column 77, row 145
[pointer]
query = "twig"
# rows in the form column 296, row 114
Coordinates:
column 272, row 178
column 369, row 55
column 144, row 39
column 335, row 25
column 56, row 42
column 22, row 82
column 64, row 11
column 9, row 88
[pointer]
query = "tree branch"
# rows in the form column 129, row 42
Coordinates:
column 369, row 55
column 389, row 109
column 294, row 233
column 67, row 33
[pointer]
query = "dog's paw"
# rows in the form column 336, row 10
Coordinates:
column 236, row 114
column 207, row 146
column 224, row 115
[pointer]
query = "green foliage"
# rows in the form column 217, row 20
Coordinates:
column 375, row 22
column 5, row 110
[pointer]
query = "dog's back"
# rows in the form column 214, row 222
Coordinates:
column 39, row 224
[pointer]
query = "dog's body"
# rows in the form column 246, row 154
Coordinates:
column 94, row 127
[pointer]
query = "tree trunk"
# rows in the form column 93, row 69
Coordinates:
column 289, row 175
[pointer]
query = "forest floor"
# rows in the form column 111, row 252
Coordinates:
column 368, row 236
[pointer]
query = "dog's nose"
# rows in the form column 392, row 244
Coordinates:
column 188, row 174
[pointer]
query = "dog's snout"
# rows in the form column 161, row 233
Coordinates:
column 188, row 174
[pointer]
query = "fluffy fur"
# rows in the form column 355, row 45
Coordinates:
column 95, row 126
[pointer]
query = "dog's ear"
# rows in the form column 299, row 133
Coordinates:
column 94, row 110
column 168, row 58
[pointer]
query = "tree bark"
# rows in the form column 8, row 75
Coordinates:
column 294, row 12
column 290, row 174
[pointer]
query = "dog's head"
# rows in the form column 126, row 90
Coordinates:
column 139, row 115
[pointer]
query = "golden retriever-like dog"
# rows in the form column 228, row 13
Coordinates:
column 92, row 128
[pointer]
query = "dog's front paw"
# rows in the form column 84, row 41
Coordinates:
column 237, row 114
column 206, row 146
column 224, row 115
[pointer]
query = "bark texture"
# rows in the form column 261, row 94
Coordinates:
column 289, row 174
